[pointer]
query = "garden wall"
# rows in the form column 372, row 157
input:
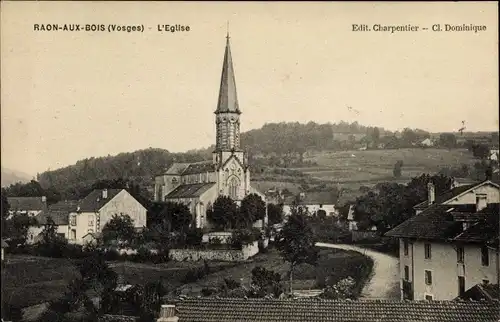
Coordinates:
column 224, row 236
column 228, row 255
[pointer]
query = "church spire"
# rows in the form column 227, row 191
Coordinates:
column 228, row 101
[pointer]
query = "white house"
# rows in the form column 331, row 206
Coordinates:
column 451, row 244
column 493, row 155
column 427, row 142
column 314, row 202
column 96, row 209
column 59, row 213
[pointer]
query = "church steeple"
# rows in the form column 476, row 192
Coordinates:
column 227, row 117
column 228, row 100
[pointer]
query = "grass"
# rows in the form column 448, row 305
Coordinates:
column 333, row 265
column 349, row 170
column 31, row 280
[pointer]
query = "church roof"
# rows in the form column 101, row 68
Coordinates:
column 191, row 168
column 228, row 101
column 189, row 190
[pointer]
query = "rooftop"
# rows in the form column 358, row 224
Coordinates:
column 319, row 310
column 27, row 203
column 190, row 168
column 189, row 190
column 95, row 201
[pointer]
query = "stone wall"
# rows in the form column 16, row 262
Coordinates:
column 365, row 235
column 228, row 255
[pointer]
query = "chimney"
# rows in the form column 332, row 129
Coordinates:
column 167, row 313
column 44, row 199
column 302, row 195
column 104, row 193
column 431, row 193
column 481, row 202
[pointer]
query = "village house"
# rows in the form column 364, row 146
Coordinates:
column 81, row 221
column 31, row 206
column 205, row 309
column 98, row 208
column 197, row 185
column 451, row 244
column 315, row 203
column 59, row 213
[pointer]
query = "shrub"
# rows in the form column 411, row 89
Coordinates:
column 215, row 240
column 194, row 237
column 111, row 254
column 344, row 289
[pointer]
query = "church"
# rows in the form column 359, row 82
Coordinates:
column 199, row 184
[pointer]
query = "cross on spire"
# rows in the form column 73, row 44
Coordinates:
column 227, row 30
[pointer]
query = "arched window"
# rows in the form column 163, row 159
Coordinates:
column 233, row 188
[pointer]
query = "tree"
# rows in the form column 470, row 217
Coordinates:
column 119, row 228
column 342, row 290
column 274, row 213
column 265, row 282
column 223, row 213
column 252, row 208
column 481, row 151
column 409, row 137
column 376, row 135
column 170, row 216
column 296, row 241
column 448, row 140
column 397, row 169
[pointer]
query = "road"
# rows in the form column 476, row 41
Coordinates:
column 384, row 282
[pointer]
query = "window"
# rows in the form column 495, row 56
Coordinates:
column 428, row 277
column 91, row 220
column 461, row 285
column 407, row 273
column 485, row 256
column 72, row 220
column 460, row 254
column 233, row 188
column 73, row 234
column 429, row 297
column 405, row 247
column 427, row 251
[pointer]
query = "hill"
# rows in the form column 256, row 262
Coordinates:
column 275, row 145
column 12, row 176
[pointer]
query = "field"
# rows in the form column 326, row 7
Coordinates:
column 349, row 170
column 29, row 280
column 333, row 265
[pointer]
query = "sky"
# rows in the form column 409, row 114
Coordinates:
column 67, row 96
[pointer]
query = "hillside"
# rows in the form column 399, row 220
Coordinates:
column 12, row 176
column 276, row 145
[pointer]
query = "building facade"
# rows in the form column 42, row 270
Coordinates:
column 198, row 185
column 451, row 244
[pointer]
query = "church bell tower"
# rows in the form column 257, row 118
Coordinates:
column 227, row 115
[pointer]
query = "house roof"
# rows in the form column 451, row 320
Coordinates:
column 26, row 203
column 480, row 292
column 442, row 222
column 191, row 168
column 314, row 198
column 94, row 200
column 189, row 190
column 318, row 310
column 447, row 195
column 4, row 244
column 59, row 212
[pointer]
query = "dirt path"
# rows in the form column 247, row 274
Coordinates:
column 384, row 282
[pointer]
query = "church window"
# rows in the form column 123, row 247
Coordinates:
column 233, row 188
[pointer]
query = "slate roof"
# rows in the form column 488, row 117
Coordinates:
column 439, row 222
column 228, row 100
column 191, row 168
column 318, row 310
column 314, row 198
column 94, row 201
column 480, row 292
column 60, row 218
column 26, row 203
column 189, row 190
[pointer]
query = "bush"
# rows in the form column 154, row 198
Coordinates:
column 215, row 240
column 207, row 291
column 344, row 289
column 194, row 237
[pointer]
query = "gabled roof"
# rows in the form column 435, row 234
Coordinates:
column 488, row 292
column 453, row 193
column 94, row 200
column 189, row 190
column 60, row 218
column 26, row 203
column 191, row 168
column 314, row 198
column 318, row 310
column 228, row 100
column 439, row 222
